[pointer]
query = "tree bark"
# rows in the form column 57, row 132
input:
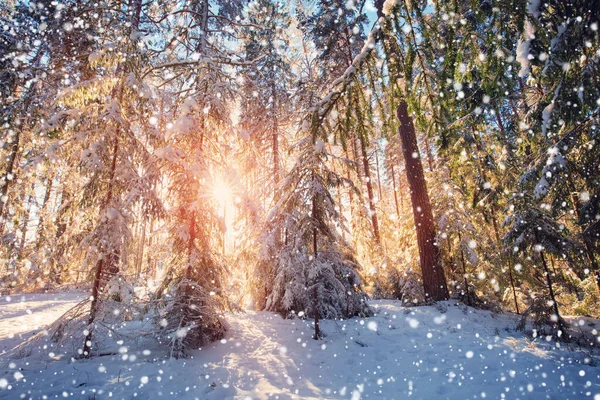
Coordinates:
column 434, row 281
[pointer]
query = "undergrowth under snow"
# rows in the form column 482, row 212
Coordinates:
column 447, row 351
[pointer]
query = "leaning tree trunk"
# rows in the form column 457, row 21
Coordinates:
column 434, row 281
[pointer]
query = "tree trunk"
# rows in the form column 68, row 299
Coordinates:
column 512, row 284
column 378, row 174
column 464, row 264
column 368, row 178
column 560, row 325
column 428, row 152
column 275, row 140
column 57, row 267
column 150, row 267
column 40, row 227
column 395, row 193
column 102, row 277
column 9, row 174
column 316, row 286
column 434, row 281
column 26, row 219
column 140, row 253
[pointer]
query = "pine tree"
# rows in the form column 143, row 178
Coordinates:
column 267, row 80
column 314, row 272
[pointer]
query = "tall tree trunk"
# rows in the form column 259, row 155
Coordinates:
column 8, row 176
column 350, row 197
column 275, row 142
column 105, row 267
column 378, row 173
column 428, row 152
column 140, row 253
column 57, row 267
column 316, row 285
column 434, row 281
column 40, row 226
column 512, row 284
column 395, row 193
column 26, row 219
column 464, row 264
column 150, row 267
column 367, row 170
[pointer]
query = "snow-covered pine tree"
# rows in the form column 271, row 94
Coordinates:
column 314, row 271
column 534, row 234
column 558, row 56
column 337, row 29
column 97, row 128
column 266, row 82
column 199, row 91
column 33, row 42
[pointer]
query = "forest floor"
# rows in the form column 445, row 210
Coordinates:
column 447, row 351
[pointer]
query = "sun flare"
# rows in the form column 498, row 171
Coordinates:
column 222, row 192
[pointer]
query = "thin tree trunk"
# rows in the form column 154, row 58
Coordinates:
column 26, row 223
column 275, row 142
column 9, row 174
column 40, row 227
column 367, row 171
column 61, row 227
column 150, row 267
column 428, row 152
column 101, row 278
column 552, row 296
column 140, row 252
column 464, row 265
column 350, row 197
column 395, row 193
column 378, row 174
column 434, row 281
column 512, row 284
column 316, row 286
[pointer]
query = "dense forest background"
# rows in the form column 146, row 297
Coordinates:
column 301, row 156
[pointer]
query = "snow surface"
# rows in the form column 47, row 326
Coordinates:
column 23, row 315
column 446, row 351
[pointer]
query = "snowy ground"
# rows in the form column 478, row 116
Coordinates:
column 23, row 315
column 444, row 352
